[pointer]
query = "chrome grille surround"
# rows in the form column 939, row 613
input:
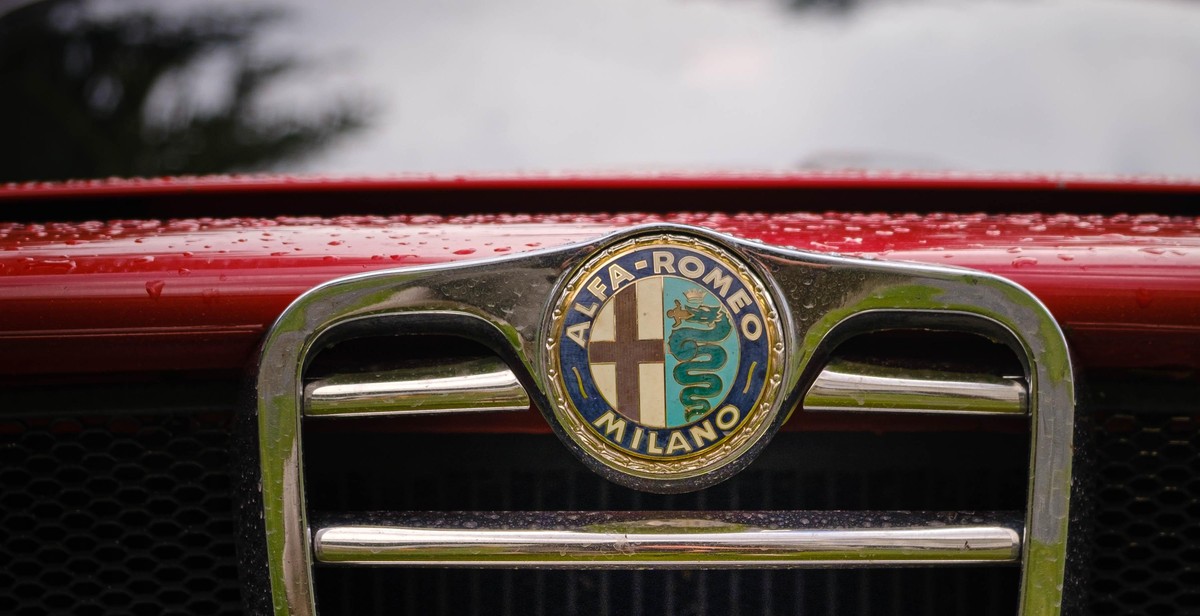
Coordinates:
column 502, row 303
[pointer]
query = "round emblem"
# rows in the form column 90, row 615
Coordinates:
column 665, row 361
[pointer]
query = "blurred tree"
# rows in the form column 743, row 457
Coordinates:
column 75, row 87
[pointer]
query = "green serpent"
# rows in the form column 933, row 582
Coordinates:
column 700, row 355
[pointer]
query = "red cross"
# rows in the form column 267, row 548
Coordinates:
column 627, row 352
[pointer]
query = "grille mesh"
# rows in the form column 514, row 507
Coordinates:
column 681, row 593
column 1146, row 540
column 362, row 472
column 133, row 515
column 116, row 516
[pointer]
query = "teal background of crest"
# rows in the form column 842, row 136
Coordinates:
column 673, row 289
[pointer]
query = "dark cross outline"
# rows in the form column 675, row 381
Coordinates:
column 627, row 352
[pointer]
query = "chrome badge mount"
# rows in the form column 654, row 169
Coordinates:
column 664, row 357
column 664, row 360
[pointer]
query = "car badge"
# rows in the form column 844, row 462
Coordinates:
column 665, row 360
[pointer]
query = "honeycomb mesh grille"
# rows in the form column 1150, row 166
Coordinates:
column 116, row 515
column 983, row 591
column 1146, row 538
column 380, row 471
column 134, row 516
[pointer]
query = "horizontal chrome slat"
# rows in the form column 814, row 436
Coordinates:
column 600, row 540
column 487, row 385
column 856, row 387
column 482, row 385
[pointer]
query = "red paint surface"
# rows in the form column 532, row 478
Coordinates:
column 866, row 180
column 123, row 296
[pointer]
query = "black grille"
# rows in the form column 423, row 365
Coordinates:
column 362, row 472
column 653, row 593
column 133, row 515
column 1146, row 540
column 117, row 515
column 349, row 472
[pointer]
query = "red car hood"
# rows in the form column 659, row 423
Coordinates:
column 170, row 291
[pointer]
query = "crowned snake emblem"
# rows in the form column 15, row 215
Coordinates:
column 695, row 340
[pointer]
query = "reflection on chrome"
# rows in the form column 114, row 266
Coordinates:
column 470, row 386
column 847, row 386
column 487, row 385
column 681, row 539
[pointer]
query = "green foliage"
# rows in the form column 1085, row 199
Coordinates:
column 75, row 88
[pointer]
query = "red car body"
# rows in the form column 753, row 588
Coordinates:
column 129, row 276
column 145, row 282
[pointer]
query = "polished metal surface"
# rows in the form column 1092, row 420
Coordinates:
column 858, row 387
column 674, row 540
column 823, row 300
column 479, row 385
column 488, row 385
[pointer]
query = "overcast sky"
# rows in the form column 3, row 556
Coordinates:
column 1101, row 86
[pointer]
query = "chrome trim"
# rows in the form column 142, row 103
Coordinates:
column 479, row 385
column 487, row 385
column 857, row 387
column 822, row 298
column 673, row 540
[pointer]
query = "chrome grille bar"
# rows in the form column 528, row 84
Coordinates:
column 487, row 385
column 601, row 540
column 857, row 387
column 479, row 385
